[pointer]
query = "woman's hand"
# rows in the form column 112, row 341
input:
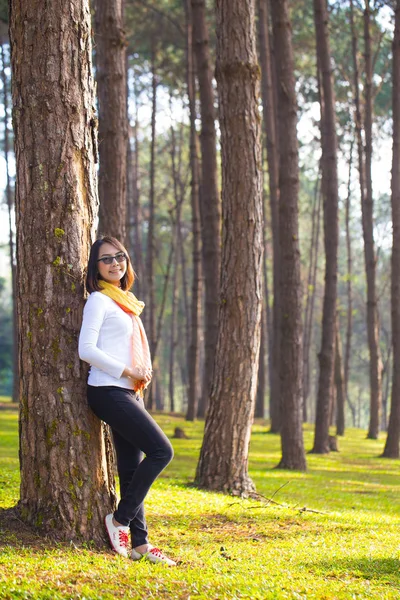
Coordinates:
column 138, row 373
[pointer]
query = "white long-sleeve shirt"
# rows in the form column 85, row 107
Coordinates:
column 105, row 341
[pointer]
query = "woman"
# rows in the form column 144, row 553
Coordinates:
column 113, row 341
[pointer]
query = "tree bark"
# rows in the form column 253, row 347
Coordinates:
column 194, row 353
column 369, row 246
column 113, row 119
column 66, row 485
column 269, row 119
column 223, row 463
column 393, row 438
column 331, row 234
column 210, row 209
column 290, row 369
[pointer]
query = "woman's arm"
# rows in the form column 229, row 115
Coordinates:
column 93, row 317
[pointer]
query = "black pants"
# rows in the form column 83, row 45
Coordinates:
column 135, row 432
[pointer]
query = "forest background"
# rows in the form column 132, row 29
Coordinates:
column 159, row 28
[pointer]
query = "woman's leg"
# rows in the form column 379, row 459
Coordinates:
column 128, row 459
column 121, row 409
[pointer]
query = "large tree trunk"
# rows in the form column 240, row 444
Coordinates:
column 290, row 371
column 393, row 438
column 196, row 234
column 113, row 121
column 331, row 227
column 269, row 119
column 66, row 487
column 369, row 247
column 210, row 210
column 223, row 463
column 10, row 203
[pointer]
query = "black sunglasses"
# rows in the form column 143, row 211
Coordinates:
column 108, row 260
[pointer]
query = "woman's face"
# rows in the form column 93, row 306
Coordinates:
column 114, row 272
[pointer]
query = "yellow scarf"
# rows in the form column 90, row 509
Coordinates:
column 131, row 305
column 126, row 300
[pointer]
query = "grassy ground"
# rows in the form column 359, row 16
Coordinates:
column 334, row 534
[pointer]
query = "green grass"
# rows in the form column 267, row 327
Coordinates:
column 5, row 399
column 334, row 535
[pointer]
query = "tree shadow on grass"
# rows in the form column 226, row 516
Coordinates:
column 382, row 570
column 13, row 532
column 17, row 534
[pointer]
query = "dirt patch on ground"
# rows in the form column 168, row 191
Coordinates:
column 14, row 532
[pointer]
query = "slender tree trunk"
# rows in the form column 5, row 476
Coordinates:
column 151, row 323
column 310, row 324
column 182, row 254
column 369, row 246
column 290, row 372
column 267, row 319
column 266, row 329
column 135, row 232
column 349, row 277
column 312, row 279
column 66, row 486
column 223, row 463
column 210, row 209
column 10, row 203
column 386, row 380
column 175, row 246
column 269, row 119
column 259, row 408
column 332, row 405
column 331, row 234
column 184, row 326
column 113, row 120
column 167, row 277
column 339, row 384
column 393, row 438
column 173, row 341
column 196, row 233
column 357, row 122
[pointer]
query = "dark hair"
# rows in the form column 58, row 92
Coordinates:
column 93, row 275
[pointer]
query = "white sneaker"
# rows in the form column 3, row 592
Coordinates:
column 119, row 536
column 153, row 555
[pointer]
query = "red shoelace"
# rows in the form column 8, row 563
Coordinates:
column 123, row 538
column 157, row 552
